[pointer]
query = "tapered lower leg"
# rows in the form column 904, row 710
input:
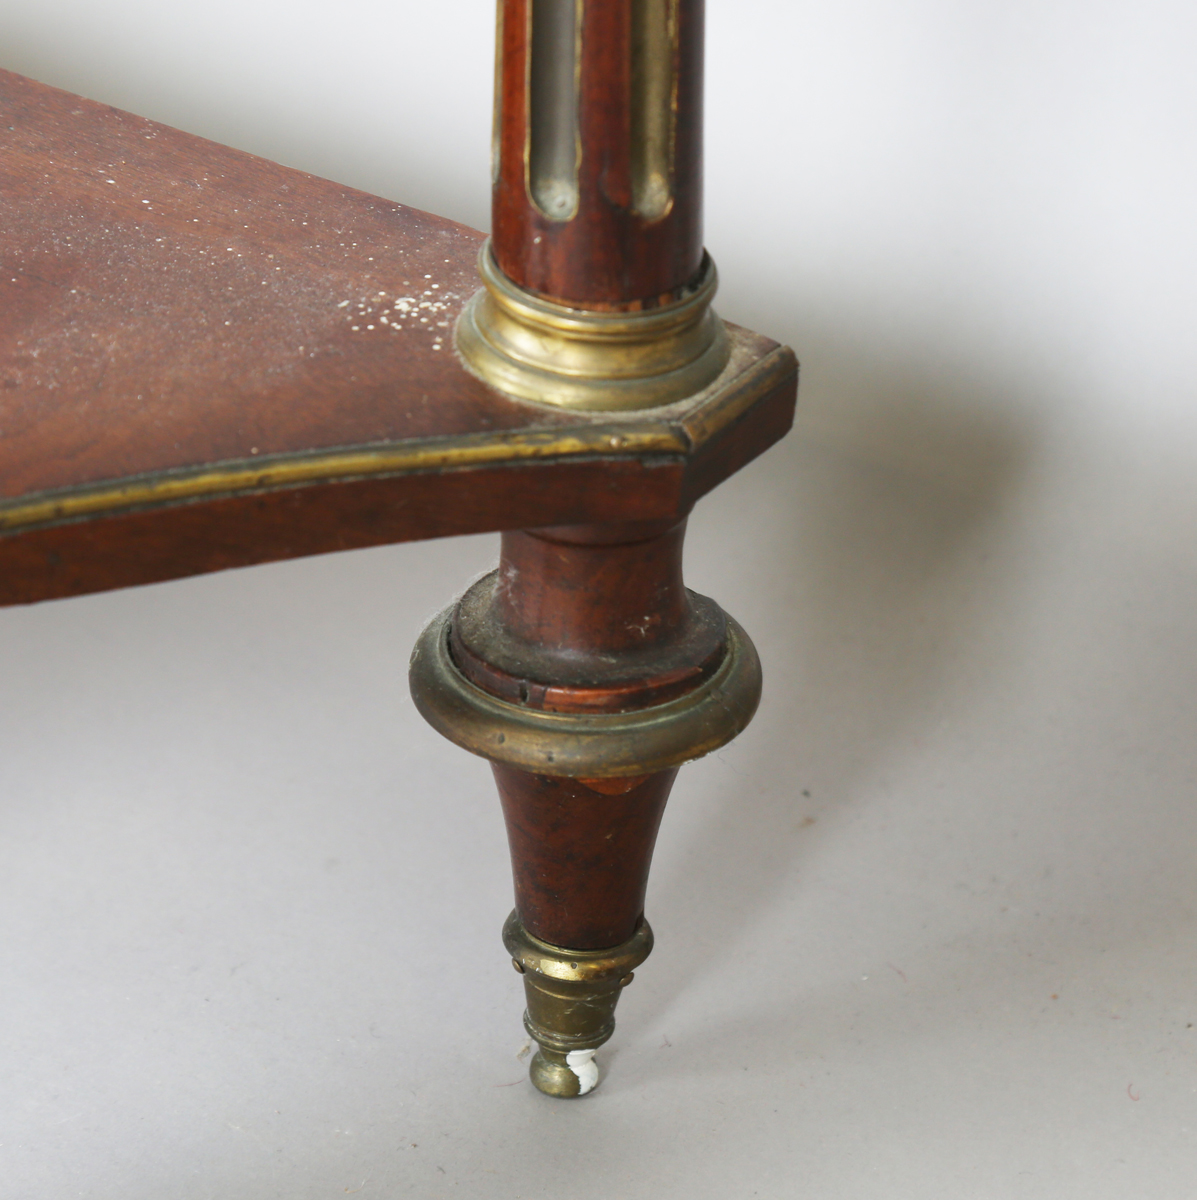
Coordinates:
column 580, row 856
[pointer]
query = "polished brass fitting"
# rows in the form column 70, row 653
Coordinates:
column 571, row 998
column 537, row 349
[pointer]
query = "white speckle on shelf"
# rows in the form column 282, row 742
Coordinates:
column 343, row 304
column 582, row 1064
column 356, row 328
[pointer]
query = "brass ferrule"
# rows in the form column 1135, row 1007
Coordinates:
column 585, row 745
column 571, row 996
column 536, row 349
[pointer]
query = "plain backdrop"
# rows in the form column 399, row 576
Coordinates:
column 928, row 929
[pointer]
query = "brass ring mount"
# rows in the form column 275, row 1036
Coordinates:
column 585, row 745
column 537, row 349
column 529, row 953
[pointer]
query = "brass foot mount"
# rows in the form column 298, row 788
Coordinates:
column 571, row 996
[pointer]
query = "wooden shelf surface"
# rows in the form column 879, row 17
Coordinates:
column 208, row 360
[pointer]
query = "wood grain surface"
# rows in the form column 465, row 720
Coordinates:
column 580, row 857
column 167, row 302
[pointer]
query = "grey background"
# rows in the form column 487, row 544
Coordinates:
column 928, row 928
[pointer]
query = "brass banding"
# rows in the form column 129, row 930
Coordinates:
column 743, row 382
column 553, row 147
column 653, row 106
column 585, row 745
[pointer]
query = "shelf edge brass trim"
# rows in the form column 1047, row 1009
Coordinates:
column 681, row 430
column 237, row 477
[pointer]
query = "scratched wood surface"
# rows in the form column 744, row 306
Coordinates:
column 169, row 302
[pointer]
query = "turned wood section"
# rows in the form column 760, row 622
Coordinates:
column 176, row 314
column 580, row 857
column 606, row 254
column 588, row 619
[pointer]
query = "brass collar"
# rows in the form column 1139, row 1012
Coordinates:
column 536, row 349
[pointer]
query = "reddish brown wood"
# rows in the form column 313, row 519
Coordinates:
column 588, row 619
column 607, row 256
column 570, row 587
column 78, row 557
column 168, row 306
column 116, row 362
column 580, row 857
column 762, row 424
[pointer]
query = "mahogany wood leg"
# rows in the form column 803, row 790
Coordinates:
column 587, row 672
column 583, row 668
